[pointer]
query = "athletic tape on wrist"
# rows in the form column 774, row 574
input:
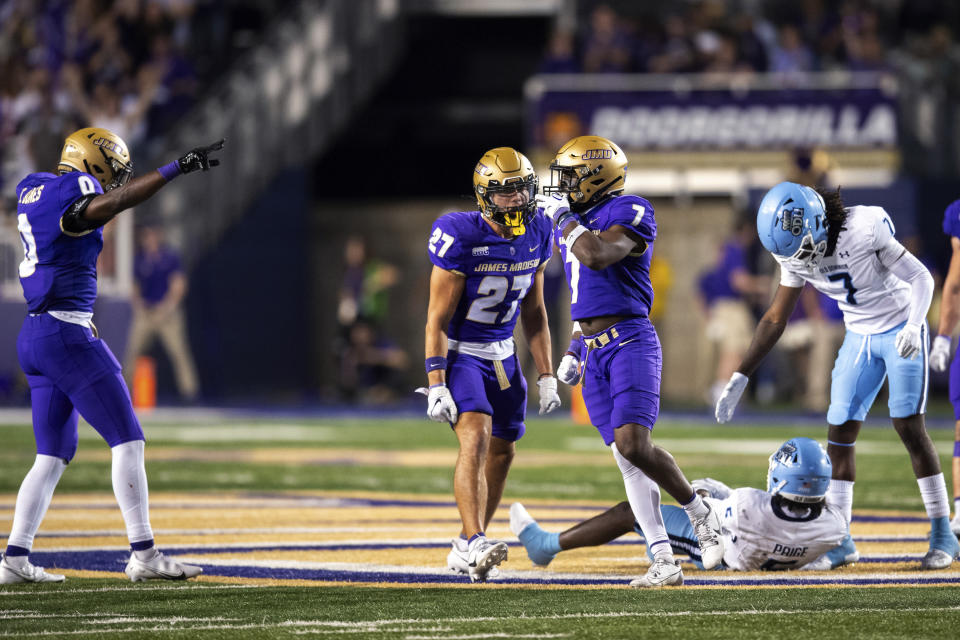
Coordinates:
column 578, row 231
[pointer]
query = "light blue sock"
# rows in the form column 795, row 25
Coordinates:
column 541, row 545
column 941, row 537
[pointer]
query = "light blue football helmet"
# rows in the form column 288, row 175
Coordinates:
column 792, row 223
column 800, row 470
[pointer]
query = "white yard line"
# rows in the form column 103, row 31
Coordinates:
column 377, row 625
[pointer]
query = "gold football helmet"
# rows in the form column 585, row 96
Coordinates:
column 587, row 169
column 101, row 153
column 507, row 172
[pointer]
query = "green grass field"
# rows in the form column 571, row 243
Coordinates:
column 556, row 462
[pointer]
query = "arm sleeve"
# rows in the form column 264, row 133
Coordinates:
column 912, row 271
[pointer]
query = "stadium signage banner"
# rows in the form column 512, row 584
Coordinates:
column 721, row 119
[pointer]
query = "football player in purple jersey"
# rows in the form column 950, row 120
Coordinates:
column 606, row 241
column 71, row 371
column 940, row 352
column 487, row 272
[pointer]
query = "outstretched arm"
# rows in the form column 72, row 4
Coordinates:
column 98, row 210
column 768, row 331
column 770, row 328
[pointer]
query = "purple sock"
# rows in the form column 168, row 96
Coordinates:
column 475, row 536
column 13, row 550
column 143, row 545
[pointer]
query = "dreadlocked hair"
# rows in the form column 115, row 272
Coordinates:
column 836, row 216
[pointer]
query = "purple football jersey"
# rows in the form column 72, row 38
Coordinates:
column 623, row 288
column 499, row 271
column 59, row 271
column 951, row 219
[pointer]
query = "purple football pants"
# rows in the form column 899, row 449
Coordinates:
column 72, row 373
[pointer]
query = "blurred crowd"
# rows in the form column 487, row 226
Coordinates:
column 132, row 66
column 748, row 35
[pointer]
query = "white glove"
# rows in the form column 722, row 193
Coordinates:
column 714, row 488
column 549, row 400
column 908, row 341
column 440, row 404
column 730, row 397
column 940, row 353
column 569, row 369
column 554, row 206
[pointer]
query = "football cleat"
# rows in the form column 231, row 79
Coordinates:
column 937, row 559
column 159, row 567
column 843, row 554
column 662, row 573
column 531, row 535
column 10, row 574
column 458, row 561
column 943, row 551
column 483, row 555
column 708, row 533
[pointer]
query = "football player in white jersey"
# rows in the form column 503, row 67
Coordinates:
column 851, row 255
column 788, row 526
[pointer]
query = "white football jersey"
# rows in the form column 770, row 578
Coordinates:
column 759, row 535
column 872, row 299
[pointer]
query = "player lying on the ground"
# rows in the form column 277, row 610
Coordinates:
column 71, row 371
column 789, row 526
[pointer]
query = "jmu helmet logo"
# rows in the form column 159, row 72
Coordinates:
column 108, row 144
column 597, row 154
column 481, row 169
column 792, row 221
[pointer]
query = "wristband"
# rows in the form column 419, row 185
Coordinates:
column 544, row 375
column 578, row 231
column 574, row 348
column 169, row 171
column 439, row 384
column 435, row 363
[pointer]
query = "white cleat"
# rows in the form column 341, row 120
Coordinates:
column 709, row 534
column 936, row 559
column 159, row 567
column 662, row 573
column 458, row 560
column 27, row 573
column 483, row 555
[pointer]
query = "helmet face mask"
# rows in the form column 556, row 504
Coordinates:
column 100, row 153
column 809, row 255
column 799, row 471
column 505, row 186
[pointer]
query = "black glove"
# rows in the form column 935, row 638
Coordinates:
column 199, row 158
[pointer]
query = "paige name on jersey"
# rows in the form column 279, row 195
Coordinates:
column 789, row 552
column 503, row 267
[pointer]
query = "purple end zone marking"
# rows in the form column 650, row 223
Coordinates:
column 113, row 561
